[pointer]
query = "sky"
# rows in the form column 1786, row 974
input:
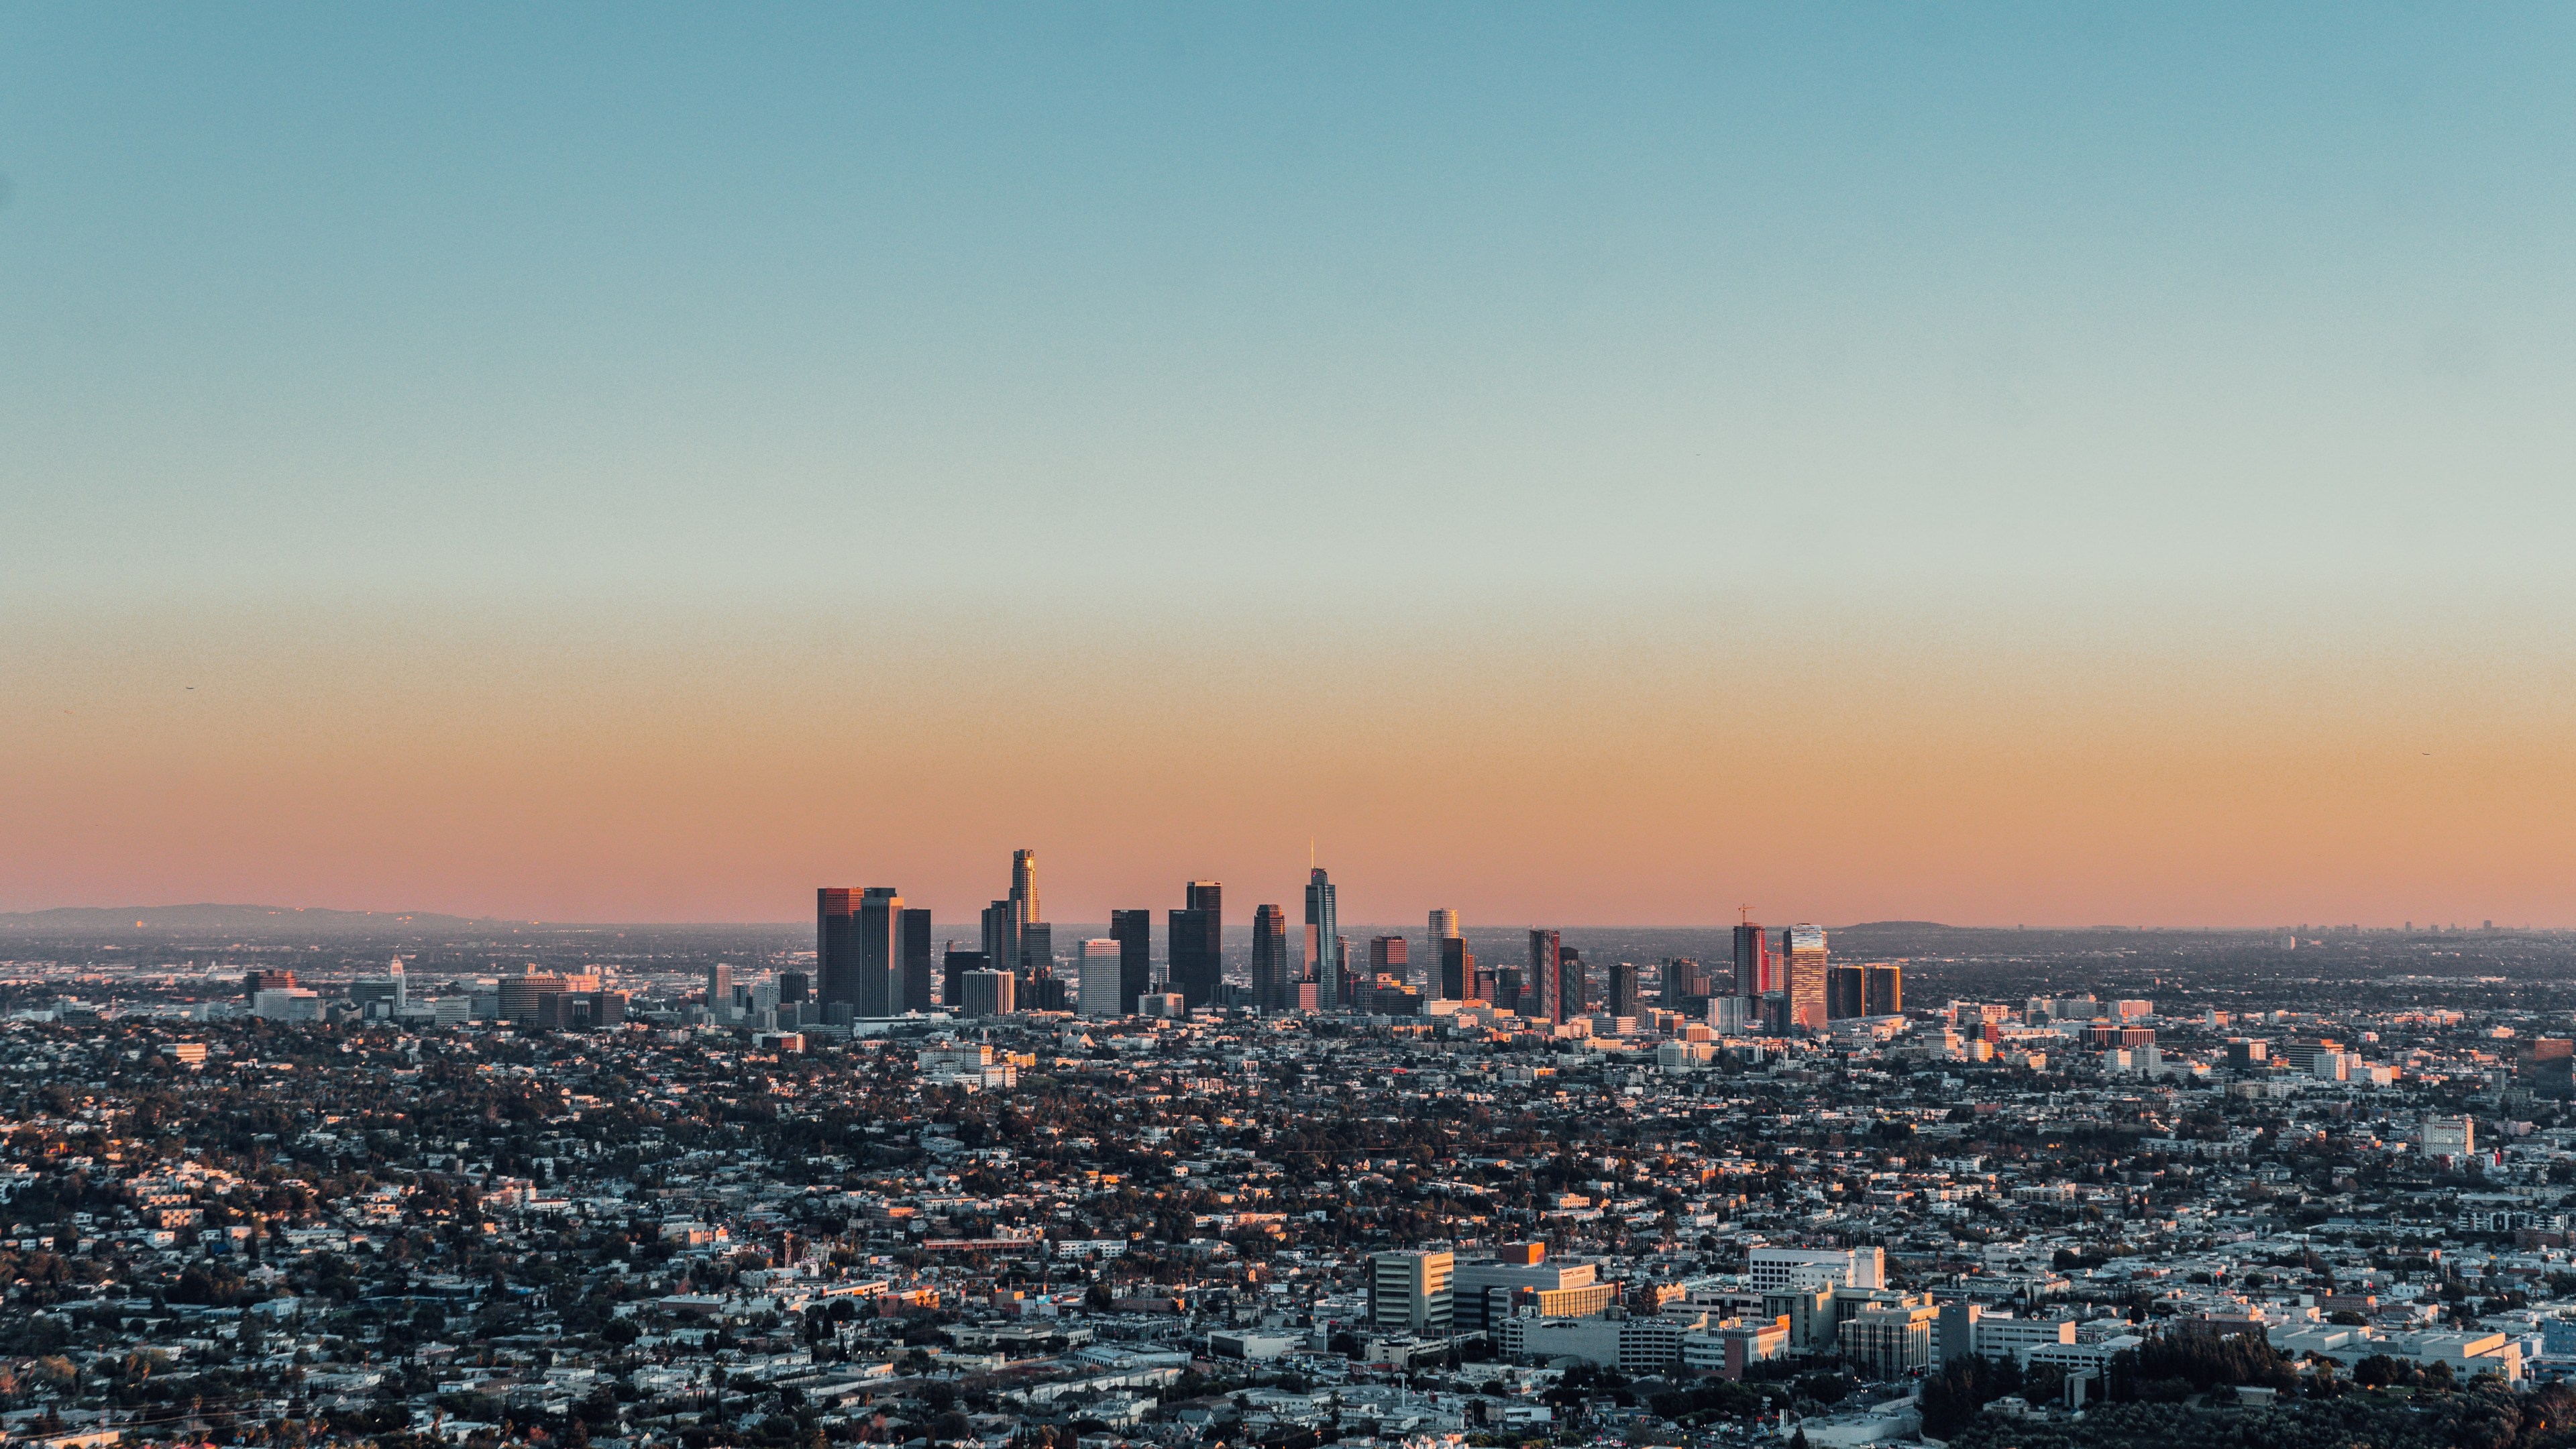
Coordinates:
column 1574, row 465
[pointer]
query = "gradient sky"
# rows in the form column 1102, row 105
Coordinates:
column 1579, row 465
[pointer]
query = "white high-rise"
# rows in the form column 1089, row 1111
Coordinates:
column 1101, row 965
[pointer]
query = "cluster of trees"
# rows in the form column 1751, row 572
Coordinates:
column 1955, row 1396
column 2169, row 1369
column 2494, row 1418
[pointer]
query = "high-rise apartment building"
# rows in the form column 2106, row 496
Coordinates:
column 1134, row 933
column 1574, row 985
column 1624, row 999
column 1846, row 992
column 1197, row 945
column 1409, row 1293
column 1884, row 992
column 1103, row 977
column 1274, row 977
column 1323, row 941
column 1686, row 986
column 987, row 993
column 1802, row 976
column 918, row 967
column 1457, row 968
column 1546, row 962
column 719, row 989
column 1444, row 927
column 1756, row 974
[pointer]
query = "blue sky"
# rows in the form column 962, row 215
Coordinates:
column 476, row 293
column 1604, row 463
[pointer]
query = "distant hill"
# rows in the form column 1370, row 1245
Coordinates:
column 266, row 920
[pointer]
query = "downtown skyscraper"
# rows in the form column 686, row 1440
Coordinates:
column 1134, row 933
column 1198, row 944
column 1429, row 980
column 1274, row 984
column 1323, row 941
column 1802, row 973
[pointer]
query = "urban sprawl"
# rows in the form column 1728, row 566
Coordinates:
column 404, row 1184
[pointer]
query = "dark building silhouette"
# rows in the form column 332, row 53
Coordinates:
column 879, row 922
column 952, row 984
column 1505, row 990
column 1624, row 996
column 1884, row 993
column 1846, row 993
column 792, row 987
column 1197, row 944
column 1037, row 988
column 1134, row 933
column 918, row 969
column 836, row 946
column 1273, row 976
column 1457, row 969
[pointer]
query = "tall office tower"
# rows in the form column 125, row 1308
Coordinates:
column 918, row 969
column 792, row 986
column 1444, row 927
column 1134, row 933
column 1196, row 951
column 952, row 985
column 987, row 993
column 719, row 988
column 1543, row 977
column 1002, row 935
column 1846, row 993
column 1024, row 887
column 1511, row 983
column 1038, row 988
column 1103, row 976
column 1391, row 956
column 1802, row 975
column 1323, row 942
column 1574, row 983
column 836, row 946
column 1457, row 968
column 1624, row 996
column 879, row 924
column 1884, row 995
column 1755, row 973
column 1274, row 986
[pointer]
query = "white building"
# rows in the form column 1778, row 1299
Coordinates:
column 1100, row 967
column 1774, row 1270
column 287, row 1003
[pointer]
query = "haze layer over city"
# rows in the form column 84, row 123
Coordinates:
column 1293, row 727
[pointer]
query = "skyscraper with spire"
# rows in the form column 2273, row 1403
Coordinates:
column 1323, row 941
